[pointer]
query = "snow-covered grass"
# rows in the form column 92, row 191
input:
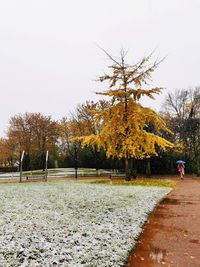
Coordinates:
column 72, row 224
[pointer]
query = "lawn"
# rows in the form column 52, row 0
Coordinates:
column 72, row 224
column 141, row 182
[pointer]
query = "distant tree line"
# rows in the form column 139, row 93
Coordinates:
column 35, row 134
column 118, row 133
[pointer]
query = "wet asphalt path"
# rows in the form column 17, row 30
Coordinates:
column 171, row 236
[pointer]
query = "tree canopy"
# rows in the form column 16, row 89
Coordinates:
column 125, row 124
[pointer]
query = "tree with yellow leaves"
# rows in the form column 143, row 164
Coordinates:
column 125, row 124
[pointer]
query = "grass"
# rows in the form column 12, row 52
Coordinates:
column 142, row 182
column 72, row 224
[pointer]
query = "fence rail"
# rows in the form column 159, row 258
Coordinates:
column 61, row 172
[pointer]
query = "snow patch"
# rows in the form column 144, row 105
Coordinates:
column 72, row 224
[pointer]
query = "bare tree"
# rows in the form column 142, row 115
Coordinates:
column 183, row 107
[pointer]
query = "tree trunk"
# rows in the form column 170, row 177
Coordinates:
column 97, row 157
column 148, row 168
column 198, row 166
column 171, row 165
column 127, row 169
column 133, row 168
column 76, row 161
column 76, row 172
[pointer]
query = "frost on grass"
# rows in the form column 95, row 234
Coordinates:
column 71, row 224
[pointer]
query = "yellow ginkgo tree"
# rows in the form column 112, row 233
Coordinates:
column 128, row 129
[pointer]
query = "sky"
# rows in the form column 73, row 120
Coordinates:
column 50, row 56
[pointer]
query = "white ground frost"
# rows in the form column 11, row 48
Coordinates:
column 72, row 224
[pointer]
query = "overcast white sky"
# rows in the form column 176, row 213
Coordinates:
column 49, row 58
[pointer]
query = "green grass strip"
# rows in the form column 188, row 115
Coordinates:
column 142, row 182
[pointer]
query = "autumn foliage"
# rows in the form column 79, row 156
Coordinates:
column 114, row 130
column 129, row 130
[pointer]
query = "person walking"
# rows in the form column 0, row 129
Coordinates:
column 181, row 170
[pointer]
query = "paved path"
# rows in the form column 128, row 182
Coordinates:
column 171, row 236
